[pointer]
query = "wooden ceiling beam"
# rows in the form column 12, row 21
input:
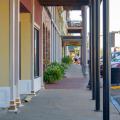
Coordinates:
column 72, row 7
column 64, row 2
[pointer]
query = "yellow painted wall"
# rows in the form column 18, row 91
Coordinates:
column 4, row 42
column 25, row 21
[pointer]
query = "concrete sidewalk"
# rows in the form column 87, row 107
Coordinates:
column 61, row 104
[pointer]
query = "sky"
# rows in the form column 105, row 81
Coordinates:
column 114, row 15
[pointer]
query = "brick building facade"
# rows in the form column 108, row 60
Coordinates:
column 30, row 39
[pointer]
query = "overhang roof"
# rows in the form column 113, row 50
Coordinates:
column 71, row 38
column 72, row 7
column 74, row 29
column 72, row 43
column 71, row 3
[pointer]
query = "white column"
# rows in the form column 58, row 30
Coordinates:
column 12, row 56
column 54, row 52
column 51, row 43
column 52, row 34
column 55, row 44
column 41, row 64
column 17, row 52
column 59, row 52
column 32, row 51
column 60, row 41
column 57, row 48
column 84, row 38
column 66, row 51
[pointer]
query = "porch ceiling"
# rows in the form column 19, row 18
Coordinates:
column 72, row 43
column 74, row 29
column 73, row 38
column 23, row 9
column 72, row 7
column 75, row 3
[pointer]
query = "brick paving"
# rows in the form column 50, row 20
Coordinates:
column 69, row 83
column 73, row 79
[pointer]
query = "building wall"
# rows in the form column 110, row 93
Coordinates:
column 38, row 12
column 4, row 43
column 58, row 19
column 46, row 19
column 46, row 42
column 30, row 21
column 10, row 85
column 25, row 20
column 27, row 83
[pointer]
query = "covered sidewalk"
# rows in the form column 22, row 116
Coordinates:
column 69, row 102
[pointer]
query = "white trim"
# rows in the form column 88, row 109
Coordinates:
column 25, row 85
column 37, row 84
column 36, row 25
column 32, row 49
column 4, row 97
column 17, row 41
column 41, row 53
column 12, row 49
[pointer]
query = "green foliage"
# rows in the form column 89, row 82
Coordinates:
column 62, row 69
column 53, row 73
column 65, row 66
column 67, row 60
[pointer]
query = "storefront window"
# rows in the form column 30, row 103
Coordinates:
column 36, row 53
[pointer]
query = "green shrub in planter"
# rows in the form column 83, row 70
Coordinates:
column 62, row 69
column 55, row 63
column 65, row 66
column 52, row 74
column 67, row 60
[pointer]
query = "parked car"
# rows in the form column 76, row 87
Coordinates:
column 115, row 70
column 115, row 63
column 115, row 54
